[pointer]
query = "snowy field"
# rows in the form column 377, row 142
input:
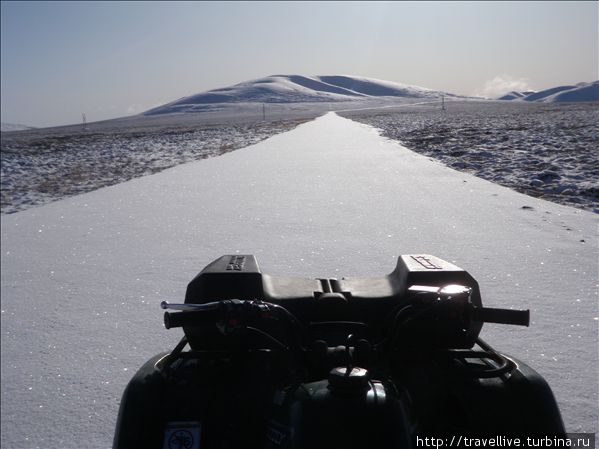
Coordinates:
column 46, row 165
column 42, row 165
column 82, row 278
column 544, row 150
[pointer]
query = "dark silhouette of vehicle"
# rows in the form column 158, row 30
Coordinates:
column 389, row 362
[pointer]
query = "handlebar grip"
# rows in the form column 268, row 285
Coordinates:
column 180, row 319
column 502, row 316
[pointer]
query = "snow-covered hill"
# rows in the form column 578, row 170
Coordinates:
column 515, row 95
column 579, row 92
column 297, row 89
column 7, row 127
column 82, row 278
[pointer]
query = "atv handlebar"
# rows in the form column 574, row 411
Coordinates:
column 501, row 316
column 198, row 314
column 212, row 312
column 180, row 319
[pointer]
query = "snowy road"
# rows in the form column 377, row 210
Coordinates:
column 82, row 278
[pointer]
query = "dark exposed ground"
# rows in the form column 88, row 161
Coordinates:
column 547, row 151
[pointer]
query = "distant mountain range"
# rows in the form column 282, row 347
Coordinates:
column 339, row 88
column 579, row 92
column 299, row 89
column 6, row 127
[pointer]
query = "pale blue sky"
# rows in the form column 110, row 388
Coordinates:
column 110, row 59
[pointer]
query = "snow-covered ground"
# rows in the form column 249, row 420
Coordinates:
column 47, row 165
column 544, row 150
column 82, row 278
column 7, row 127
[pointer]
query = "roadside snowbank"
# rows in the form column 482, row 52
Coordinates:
column 82, row 278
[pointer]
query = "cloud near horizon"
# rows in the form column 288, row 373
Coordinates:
column 134, row 108
column 501, row 85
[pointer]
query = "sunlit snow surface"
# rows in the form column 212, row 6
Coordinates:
column 544, row 150
column 5, row 127
column 47, row 165
column 82, row 278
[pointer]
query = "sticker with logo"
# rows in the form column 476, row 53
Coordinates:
column 182, row 435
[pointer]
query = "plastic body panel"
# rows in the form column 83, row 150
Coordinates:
column 141, row 420
column 235, row 407
column 229, row 397
column 367, row 300
column 239, row 277
column 315, row 416
column 447, row 401
column 228, row 277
